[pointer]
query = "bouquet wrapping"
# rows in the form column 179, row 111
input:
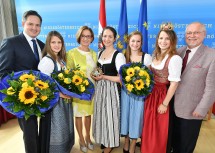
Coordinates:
column 74, row 83
column 136, row 79
column 27, row 93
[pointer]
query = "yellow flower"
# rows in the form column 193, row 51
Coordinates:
column 67, row 80
column 41, row 84
column 141, row 73
column 77, row 80
column 130, row 72
column 139, row 84
column 82, row 88
column 25, row 77
column 76, row 71
column 27, row 95
column 137, row 68
column 10, row 91
column 43, row 97
column 66, row 71
column 79, row 72
column 129, row 87
column 86, row 82
column 147, row 82
column 127, row 78
column 60, row 76
column 25, row 84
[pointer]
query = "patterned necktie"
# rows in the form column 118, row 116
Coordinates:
column 185, row 60
column 36, row 54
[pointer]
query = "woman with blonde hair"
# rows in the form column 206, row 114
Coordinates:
column 132, row 108
column 85, row 58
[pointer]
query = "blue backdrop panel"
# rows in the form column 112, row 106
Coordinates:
column 66, row 16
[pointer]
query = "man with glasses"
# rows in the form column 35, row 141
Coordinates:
column 196, row 91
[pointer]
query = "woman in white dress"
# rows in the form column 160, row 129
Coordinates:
column 61, row 116
column 106, row 119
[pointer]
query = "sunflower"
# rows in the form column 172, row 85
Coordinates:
column 147, row 82
column 79, row 72
column 41, row 84
column 141, row 73
column 25, row 84
column 66, row 71
column 10, row 91
column 137, row 68
column 25, row 77
column 43, row 97
column 139, row 84
column 127, row 78
column 130, row 72
column 77, row 80
column 129, row 87
column 60, row 76
column 27, row 95
column 83, row 88
column 67, row 80
column 86, row 82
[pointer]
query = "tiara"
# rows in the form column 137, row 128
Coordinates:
column 166, row 26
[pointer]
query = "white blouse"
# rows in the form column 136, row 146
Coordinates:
column 147, row 60
column 119, row 61
column 174, row 67
column 46, row 66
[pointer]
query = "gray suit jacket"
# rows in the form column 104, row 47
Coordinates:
column 196, row 91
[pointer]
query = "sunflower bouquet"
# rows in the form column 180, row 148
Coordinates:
column 74, row 83
column 27, row 93
column 136, row 79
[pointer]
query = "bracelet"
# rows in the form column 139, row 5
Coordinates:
column 164, row 105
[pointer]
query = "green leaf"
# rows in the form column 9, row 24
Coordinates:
column 9, row 99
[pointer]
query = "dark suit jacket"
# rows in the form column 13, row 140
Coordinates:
column 17, row 55
column 196, row 91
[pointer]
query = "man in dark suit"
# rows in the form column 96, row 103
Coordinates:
column 16, row 54
column 196, row 91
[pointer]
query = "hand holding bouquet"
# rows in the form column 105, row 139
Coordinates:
column 137, row 79
column 74, row 83
column 27, row 93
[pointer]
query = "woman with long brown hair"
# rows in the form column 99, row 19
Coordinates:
column 61, row 116
column 166, row 66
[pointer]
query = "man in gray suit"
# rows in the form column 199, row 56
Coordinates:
column 196, row 91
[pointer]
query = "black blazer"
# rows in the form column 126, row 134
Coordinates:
column 17, row 55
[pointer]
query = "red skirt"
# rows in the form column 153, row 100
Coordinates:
column 155, row 130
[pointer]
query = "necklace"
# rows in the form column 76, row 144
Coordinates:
column 106, row 54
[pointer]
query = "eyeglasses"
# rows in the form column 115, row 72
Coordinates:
column 86, row 36
column 194, row 33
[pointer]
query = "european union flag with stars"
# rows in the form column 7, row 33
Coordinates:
column 123, row 28
column 143, row 24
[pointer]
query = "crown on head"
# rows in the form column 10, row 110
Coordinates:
column 166, row 26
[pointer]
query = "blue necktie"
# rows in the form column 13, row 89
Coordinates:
column 36, row 54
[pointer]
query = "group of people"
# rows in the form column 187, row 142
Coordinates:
column 167, row 120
